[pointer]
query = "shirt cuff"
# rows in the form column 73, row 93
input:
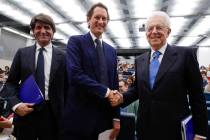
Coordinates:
column 107, row 93
column 199, row 136
column 15, row 106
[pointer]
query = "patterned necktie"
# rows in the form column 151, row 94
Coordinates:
column 39, row 75
column 103, row 75
column 154, row 66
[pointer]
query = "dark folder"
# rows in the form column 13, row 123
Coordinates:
column 29, row 91
column 187, row 128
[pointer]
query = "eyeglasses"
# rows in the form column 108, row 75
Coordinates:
column 158, row 28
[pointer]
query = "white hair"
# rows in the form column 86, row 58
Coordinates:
column 165, row 16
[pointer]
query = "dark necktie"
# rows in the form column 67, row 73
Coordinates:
column 154, row 66
column 103, row 73
column 39, row 75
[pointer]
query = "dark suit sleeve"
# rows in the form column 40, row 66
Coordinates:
column 12, row 83
column 196, row 97
column 116, row 110
column 76, row 72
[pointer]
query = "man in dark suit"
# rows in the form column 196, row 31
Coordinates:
column 40, row 121
column 88, row 111
column 165, row 97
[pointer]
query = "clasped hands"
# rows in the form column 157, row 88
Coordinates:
column 115, row 98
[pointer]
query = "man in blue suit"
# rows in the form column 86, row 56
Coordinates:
column 88, row 111
column 166, row 86
column 32, row 122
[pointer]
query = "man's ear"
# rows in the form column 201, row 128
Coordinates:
column 88, row 22
column 169, row 31
column 32, row 32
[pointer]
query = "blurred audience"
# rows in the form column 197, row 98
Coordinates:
column 205, row 72
column 133, row 107
column 3, row 75
column 6, row 70
column 130, row 80
column 205, row 80
column 6, row 128
column 207, row 87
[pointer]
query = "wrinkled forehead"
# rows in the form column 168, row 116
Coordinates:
column 156, row 20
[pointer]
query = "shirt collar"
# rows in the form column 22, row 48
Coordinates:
column 94, row 37
column 47, row 47
column 161, row 50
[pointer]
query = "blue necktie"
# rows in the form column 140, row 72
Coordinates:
column 103, row 73
column 39, row 75
column 153, row 68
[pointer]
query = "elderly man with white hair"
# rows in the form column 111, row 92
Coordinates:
column 168, row 81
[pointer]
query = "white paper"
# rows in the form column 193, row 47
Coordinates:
column 105, row 135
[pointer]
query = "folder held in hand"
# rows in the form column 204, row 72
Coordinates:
column 29, row 91
column 187, row 128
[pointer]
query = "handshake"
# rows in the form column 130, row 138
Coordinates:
column 115, row 98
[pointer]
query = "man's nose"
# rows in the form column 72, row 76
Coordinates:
column 42, row 29
column 100, row 20
column 154, row 30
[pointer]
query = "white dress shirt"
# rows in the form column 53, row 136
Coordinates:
column 161, row 50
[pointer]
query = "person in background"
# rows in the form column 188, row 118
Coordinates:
column 207, row 87
column 47, row 64
column 203, row 68
column 208, row 67
column 6, row 117
column 2, row 77
column 6, row 70
column 130, row 80
column 133, row 107
column 204, row 77
column 6, row 128
column 168, row 81
column 92, row 73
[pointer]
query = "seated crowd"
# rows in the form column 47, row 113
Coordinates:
column 205, row 72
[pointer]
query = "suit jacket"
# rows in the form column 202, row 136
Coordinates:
column 162, row 108
column 87, row 111
column 24, row 65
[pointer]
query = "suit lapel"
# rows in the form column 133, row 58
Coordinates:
column 90, row 47
column 144, row 68
column 106, row 53
column 30, row 58
column 168, row 60
column 56, row 58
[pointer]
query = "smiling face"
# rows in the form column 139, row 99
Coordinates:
column 157, row 32
column 43, row 33
column 98, row 21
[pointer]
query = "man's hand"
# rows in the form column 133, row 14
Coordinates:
column 24, row 109
column 5, row 123
column 115, row 98
column 115, row 131
column 198, row 138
